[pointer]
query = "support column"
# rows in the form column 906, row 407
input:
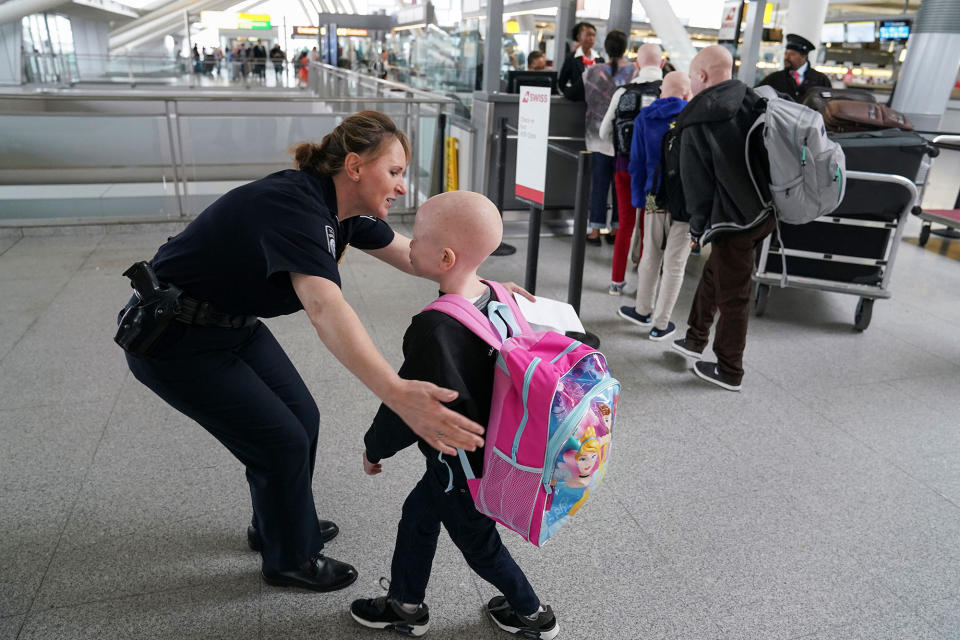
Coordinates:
column 676, row 40
column 566, row 18
column 90, row 42
column 11, row 56
column 930, row 69
column 805, row 18
column 493, row 49
column 621, row 17
column 186, row 37
column 750, row 50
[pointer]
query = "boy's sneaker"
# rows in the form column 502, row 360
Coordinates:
column 683, row 346
column 543, row 626
column 616, row 288
column 384, row 613
column 663, row 334
column 629, row 313
column 711, row 373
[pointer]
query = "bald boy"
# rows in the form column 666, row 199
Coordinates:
column 724, row 209
column 666, row 246
column 453, row 233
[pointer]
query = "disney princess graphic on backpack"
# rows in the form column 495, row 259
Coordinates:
column 579, row 467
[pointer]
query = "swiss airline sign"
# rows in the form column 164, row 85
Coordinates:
column 533, row 123
column 728, row 21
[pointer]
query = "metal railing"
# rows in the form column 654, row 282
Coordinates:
column 185, row 150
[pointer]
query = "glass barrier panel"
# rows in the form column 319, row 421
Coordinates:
column 56, row 166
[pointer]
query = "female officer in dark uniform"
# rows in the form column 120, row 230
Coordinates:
column 266, row 249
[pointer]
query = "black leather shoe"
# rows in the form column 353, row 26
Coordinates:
column 319, row 574
column 328, row 531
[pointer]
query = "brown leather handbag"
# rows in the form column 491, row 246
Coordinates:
column 841, row 116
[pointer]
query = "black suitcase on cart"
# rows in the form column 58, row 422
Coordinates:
column 890, row 151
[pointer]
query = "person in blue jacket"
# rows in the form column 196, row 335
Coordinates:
column 665, row 226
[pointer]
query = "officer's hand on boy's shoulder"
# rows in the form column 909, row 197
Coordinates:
column 370, row 468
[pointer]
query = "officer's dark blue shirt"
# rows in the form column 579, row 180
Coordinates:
column 238, row 254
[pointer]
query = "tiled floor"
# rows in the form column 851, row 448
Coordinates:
column 821, row 502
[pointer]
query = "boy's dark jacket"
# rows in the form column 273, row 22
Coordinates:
column 438, row 349
column 716, row 186
column 649, row 127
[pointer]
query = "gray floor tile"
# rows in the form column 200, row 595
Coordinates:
column 883, row 628
column 943, row 615
column 22, row 570
column 227, row 608
column 50, row 444
column 56, row 257
column 902, row 431
column 10, row 625
column 822, row 501
column 119, row 501
column 185, row 554
column 29, row 517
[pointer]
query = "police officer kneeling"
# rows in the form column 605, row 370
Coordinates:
column 270, row 248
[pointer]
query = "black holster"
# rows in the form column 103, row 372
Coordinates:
column 150, row 311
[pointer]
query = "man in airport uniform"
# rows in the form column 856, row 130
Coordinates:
column 797, row 76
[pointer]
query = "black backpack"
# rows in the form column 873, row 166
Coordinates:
column 668, row 187
column 635, row 97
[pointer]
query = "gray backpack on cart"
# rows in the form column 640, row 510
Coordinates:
column 807, row 169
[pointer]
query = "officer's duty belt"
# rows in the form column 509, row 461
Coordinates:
column 202, row 314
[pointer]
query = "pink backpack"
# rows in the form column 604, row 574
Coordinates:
column 551, row 419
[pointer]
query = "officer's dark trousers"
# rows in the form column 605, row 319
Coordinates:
column 239, row 385
column 725, row 287
column 475, row 535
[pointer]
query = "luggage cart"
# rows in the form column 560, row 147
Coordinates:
column 940, row 201
column 853, row 249
column 865, row 276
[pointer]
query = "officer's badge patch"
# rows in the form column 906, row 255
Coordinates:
column 332, row 242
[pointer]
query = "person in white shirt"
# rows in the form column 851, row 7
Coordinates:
column 650, row 62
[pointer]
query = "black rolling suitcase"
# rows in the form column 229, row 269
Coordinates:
column 887, row 151
column 878, row 205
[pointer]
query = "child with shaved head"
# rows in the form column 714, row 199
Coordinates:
column 666, row 226
column 724, row 209
column 453, row 233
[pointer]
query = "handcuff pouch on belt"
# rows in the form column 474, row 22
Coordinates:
column 155, row 308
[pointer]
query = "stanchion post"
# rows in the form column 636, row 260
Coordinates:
column 578, row 251
column 533, row 249
column 504, row 249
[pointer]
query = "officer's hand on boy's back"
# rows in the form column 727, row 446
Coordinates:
column 370, row 468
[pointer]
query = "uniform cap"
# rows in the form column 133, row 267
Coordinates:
column 799, row 43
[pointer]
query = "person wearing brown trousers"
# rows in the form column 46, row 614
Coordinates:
column 724, row 209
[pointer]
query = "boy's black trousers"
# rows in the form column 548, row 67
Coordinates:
column 426, row 508
column 240, row 386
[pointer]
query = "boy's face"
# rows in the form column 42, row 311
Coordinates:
column 426, row 254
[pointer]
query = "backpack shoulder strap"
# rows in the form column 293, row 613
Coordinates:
column 506, row 298
column 467, row 314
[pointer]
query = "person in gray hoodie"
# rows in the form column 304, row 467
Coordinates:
column 724, row 209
